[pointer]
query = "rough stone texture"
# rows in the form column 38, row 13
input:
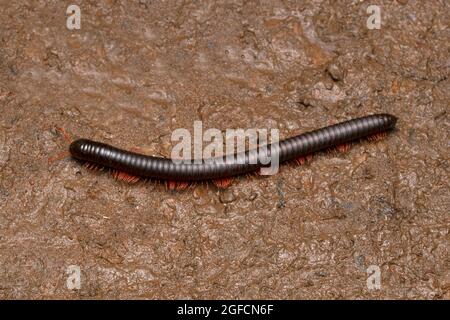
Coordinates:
column 138, row 70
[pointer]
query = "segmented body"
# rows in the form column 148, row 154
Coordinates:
column 292, row 148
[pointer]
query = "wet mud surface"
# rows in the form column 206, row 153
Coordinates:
column 136, row 71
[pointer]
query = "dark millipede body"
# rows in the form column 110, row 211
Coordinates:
column 162, row 168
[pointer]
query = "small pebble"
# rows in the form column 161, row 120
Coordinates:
column 328, row 84
column 336, row 73
column 227, row 196
column 253, row 196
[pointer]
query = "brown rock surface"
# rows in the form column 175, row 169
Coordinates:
column 138, row 70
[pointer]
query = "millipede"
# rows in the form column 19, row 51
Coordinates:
column 131, row 166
